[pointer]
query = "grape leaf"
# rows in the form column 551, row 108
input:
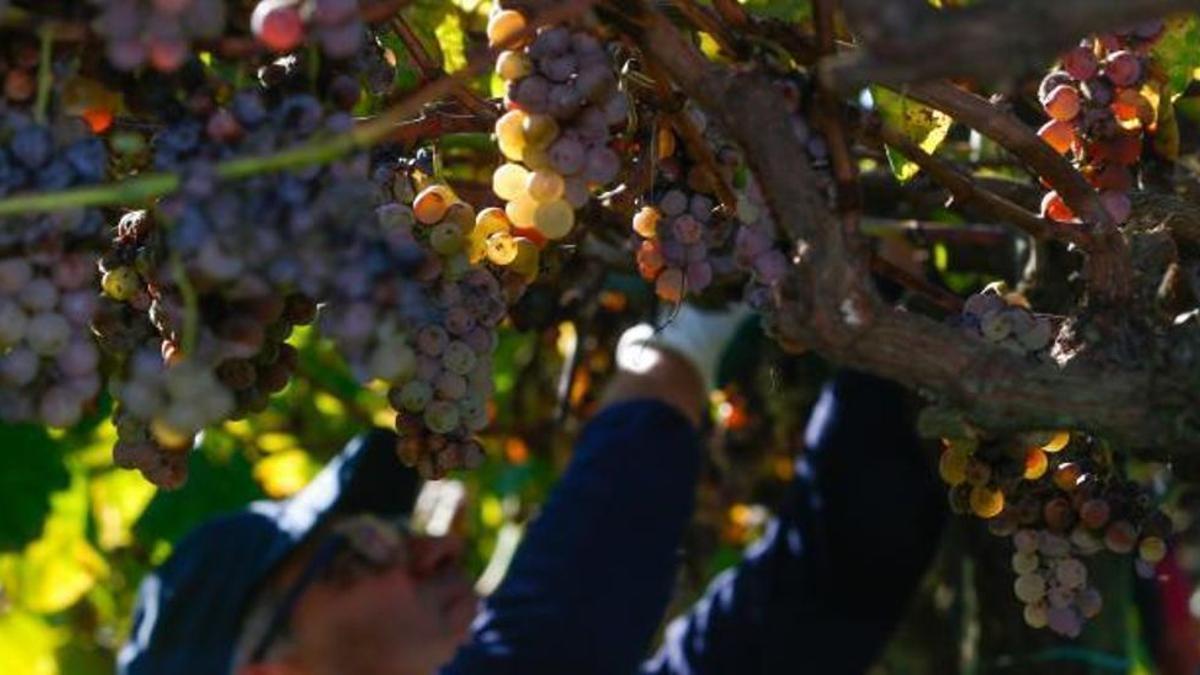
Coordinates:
column 788, row 10
column 450, row 37
column 924, row 125
column 31, row 469
column 1178, row 51
column 58, row 568
column 28, row 642
column 215, row 485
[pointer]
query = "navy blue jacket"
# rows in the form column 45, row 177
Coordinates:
column 819, row 593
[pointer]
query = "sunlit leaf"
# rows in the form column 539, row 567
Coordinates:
column 59, row 567
column 283, row 474
column 789, row 10
column 118, row 498
column 450, row 36
column 1178, row 51
column 28, row 643
column 924, row 125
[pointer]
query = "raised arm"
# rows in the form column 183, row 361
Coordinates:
column 823, row 589
column 589, row 584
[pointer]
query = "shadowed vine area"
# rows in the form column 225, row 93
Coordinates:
column 235, row 233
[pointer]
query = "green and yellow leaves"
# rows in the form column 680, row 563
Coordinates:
column 924, row 125
column 1178, row 51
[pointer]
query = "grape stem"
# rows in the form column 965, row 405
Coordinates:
column 831, row 121
column 965, row 190
column 45, row 79
column 191, row 305
column 1109, row 268
column 693, row 140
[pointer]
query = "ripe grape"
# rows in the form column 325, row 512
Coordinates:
column 1062, row 103
column 554, row 219
column 1029, row 588
column 1058, row 134
column 1080, row 63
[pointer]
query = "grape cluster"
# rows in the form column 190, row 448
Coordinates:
column 563, row 101
column 431, row 335
column 1060, row 498
column 286, row 232
column 162, row 404
column 158, row 33
column 1099, row 112
column 48, row 358
column 682, row 229
column 1005, row 321
column 36, row 157
column 284, row 25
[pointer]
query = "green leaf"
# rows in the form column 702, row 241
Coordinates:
column 788, row 10
column 1178, row 51
column 924, row 125
column 54, row 571
column 30, row 470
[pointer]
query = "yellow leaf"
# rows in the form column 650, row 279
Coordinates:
column 450, row 36
column 56, row 570
column 28, row 644
column 118, row 499
column 926, row 127
column 283, row 474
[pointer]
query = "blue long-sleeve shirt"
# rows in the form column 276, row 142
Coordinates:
column 819, row 593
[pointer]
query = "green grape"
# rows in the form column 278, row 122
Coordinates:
column 1025, row 562
column 416, row 395
column 509, row 181
column 501, row 249
column 446, row 238
column 522, row 211
column 120, row 284
column 527, row 262
column 489, row 221
column 510, row 135
column 554, row 219
column 431, row 204
column 539, row 131
column 545, row 186
column 1029, row 588
column 441, row 417
column 458, row 358
column 513, row 65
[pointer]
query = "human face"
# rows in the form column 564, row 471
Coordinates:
column 405, row 619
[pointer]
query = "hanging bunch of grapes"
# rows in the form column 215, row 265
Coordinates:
column 439, row 358
column 1100, row 114
column 563, row 103
column 1005, row 320
column 1060, row 497
column 684, row 233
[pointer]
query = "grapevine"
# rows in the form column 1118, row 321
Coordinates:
column 218, row 217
